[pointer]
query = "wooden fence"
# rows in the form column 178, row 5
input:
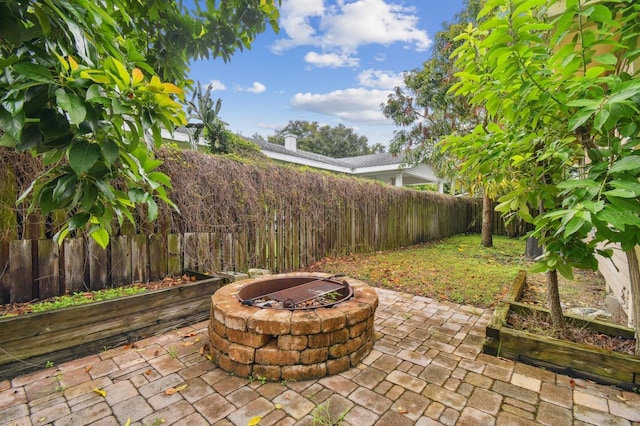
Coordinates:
column 39, row 268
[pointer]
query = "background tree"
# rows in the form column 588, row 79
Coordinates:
column 556, row 90
column 84, row 85
column 336, row 142
column 426, row 111
column 208, row 124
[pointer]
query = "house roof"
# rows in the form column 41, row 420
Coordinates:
column 384, row 166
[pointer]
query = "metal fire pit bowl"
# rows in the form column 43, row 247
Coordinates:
column 296, row 293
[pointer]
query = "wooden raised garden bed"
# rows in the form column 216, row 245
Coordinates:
column 28, row 342
column 574, row 359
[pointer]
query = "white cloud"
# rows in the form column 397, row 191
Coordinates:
column 353, row 105
column 331, row 60
column 380, row 79
column 257, row 87
column 346, row 26
column 216, row 85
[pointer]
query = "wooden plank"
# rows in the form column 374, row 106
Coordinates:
column 5, row 281
column 191, row 251
column 98, row 266
column 157, row 257
column 74, row 265
column 20, row 271
column 139, row 259
column 174, row 253
column 48, row 269
column 203, row 252
column 121, row 260
column 227, row 252
column 577, row 357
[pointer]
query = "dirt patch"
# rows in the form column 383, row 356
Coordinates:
column 12, row 309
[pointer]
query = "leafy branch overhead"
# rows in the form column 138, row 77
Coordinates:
column 559, row 84
column 88, row 86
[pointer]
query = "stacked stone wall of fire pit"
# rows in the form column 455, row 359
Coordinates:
column 281, row 345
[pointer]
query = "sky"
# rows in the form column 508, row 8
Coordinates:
column 333, row 62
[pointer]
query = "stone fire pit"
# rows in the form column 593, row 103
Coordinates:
column 281, row 344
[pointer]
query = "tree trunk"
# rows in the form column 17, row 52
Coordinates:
column 634, row 281
column 487, row 222
column 553, row 297
column 532, row 249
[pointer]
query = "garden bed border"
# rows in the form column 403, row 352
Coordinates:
column 30, row 342
column 573, row 359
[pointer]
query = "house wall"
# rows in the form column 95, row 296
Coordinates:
column 615, row 272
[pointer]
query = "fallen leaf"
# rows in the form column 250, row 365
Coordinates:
column 197, row 339
column 147, row 372
column 572, row 383
column 209, row 357
column 127, row 346
column 156, row 353
column 191, row 334
column 42, row 419
column 88, row 368
column 402, row 410
column 254, row 421
column 278, row 406
column 101, row 392
column 621, row 398
column 187, row 343
column 128, row 423
column 171, row 391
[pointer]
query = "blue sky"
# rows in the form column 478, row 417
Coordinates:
column 333, row 62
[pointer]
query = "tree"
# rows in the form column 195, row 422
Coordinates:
column 209, row 124
column 89, row 85
column 336, row 142
column 426, row 111
column 556, row 90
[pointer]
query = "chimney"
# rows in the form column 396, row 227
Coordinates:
column 290, row 143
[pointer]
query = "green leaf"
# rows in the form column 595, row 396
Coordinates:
column 152, row 210
column 579, row 118
column 73, row 105
column 161, row 178
column 100, row 236
column 83, row 155
column 539, row 267
column 111, row 151
column 619, row 192
column 565, row 270
column 34, row 72
column 630, row 162
column 78, row 221
column 607, row 59
column 89, row 196
column 578, row 183
column 573, row 226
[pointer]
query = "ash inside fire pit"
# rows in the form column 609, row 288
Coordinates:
column 296, row 293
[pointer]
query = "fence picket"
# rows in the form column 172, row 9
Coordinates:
column 98, row 266
column 74, row 266
column 20, row 271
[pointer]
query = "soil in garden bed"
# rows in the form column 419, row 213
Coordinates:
column 12, row 309
column 540, row 324
column 587, row 290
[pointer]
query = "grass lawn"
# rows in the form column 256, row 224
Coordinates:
column 458, row 269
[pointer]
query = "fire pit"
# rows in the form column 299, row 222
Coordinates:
column 292, row 326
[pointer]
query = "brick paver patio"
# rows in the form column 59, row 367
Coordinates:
column 425, row 369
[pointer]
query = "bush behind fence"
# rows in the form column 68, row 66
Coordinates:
column 232, row 216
